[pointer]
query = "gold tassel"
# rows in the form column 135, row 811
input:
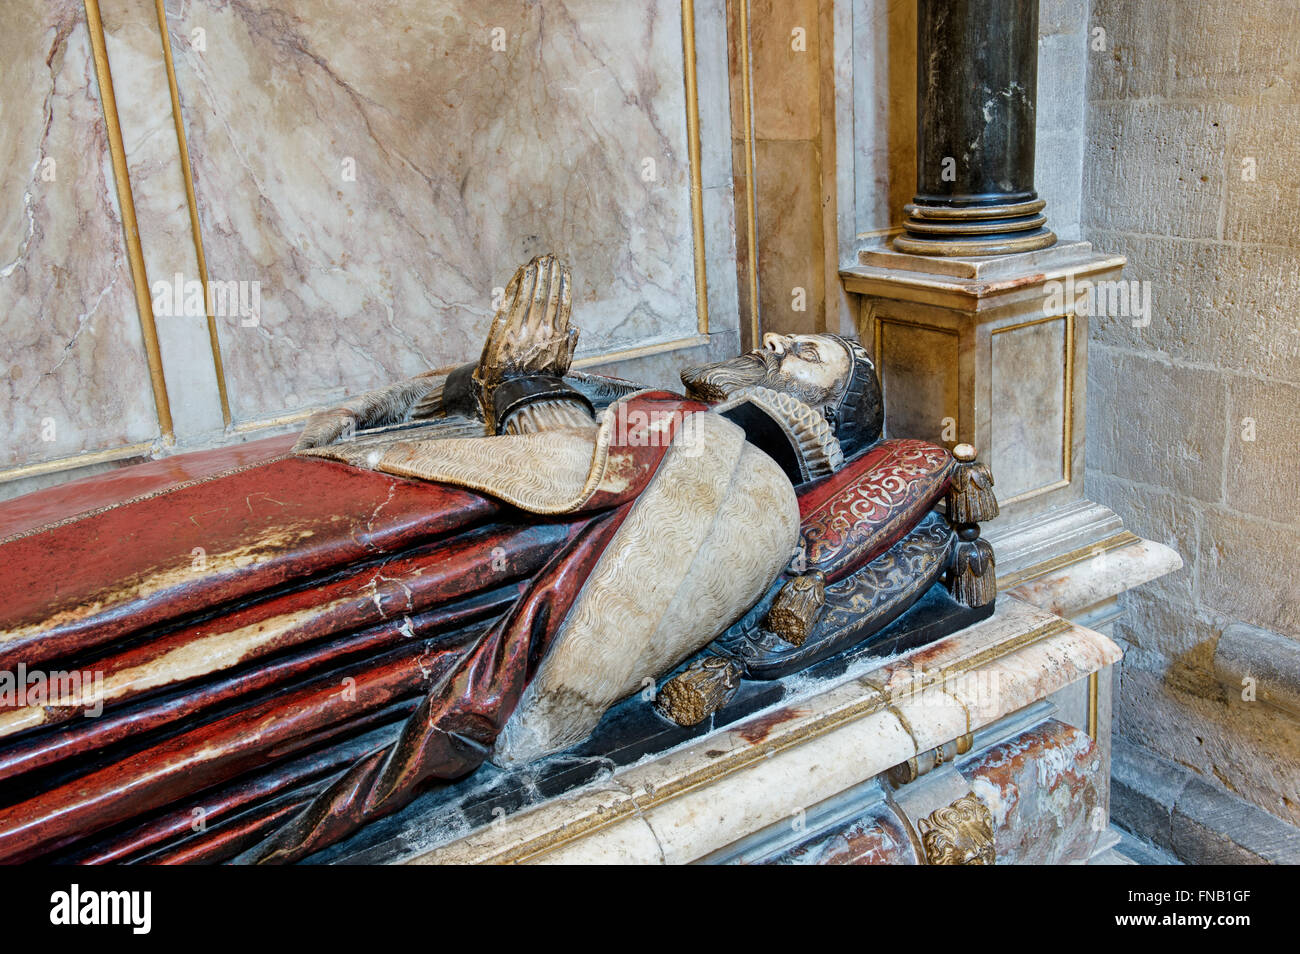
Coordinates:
column 971, row 577
column 970, row 495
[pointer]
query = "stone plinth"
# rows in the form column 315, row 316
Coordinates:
column 990, row 351
column 993, row 351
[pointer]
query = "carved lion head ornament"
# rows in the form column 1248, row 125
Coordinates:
column 959, row 834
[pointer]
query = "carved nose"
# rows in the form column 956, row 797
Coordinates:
column 776, row 343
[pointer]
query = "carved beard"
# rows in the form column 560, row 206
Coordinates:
column 718, row 381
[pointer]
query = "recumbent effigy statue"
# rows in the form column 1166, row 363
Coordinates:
column 289, row 643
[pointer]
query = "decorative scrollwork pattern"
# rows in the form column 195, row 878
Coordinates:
column 884, row 498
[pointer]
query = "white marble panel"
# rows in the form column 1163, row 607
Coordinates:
column 1028, row 384
column 381, row 168
column 918, row 374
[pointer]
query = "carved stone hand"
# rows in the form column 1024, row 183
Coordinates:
column 530, row 334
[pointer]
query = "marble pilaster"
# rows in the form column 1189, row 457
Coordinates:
column 157, row 174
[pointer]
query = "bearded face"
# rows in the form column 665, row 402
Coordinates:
column 813, row 368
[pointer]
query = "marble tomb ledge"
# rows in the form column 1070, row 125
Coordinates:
column 1075, row 560
column 697, row 799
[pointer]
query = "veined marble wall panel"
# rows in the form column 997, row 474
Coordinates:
column 882, row 136
column 1028, row 382
column 75, row 375
column 480, row 134
column 916, row 377
column 719, row 205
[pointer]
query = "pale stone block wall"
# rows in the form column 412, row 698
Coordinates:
column 1191, row 170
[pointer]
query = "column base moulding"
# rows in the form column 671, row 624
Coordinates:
column 964, row 231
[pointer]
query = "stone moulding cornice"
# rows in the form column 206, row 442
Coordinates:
column 905, row 278
column 1122, row 539
column 1088, row 576
column 644, row 812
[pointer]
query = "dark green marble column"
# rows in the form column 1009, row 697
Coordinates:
column 977, row 87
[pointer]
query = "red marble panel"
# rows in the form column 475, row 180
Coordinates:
column 1046, row 789
column 113, row 573
column 62, row 501
column 875, row 837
